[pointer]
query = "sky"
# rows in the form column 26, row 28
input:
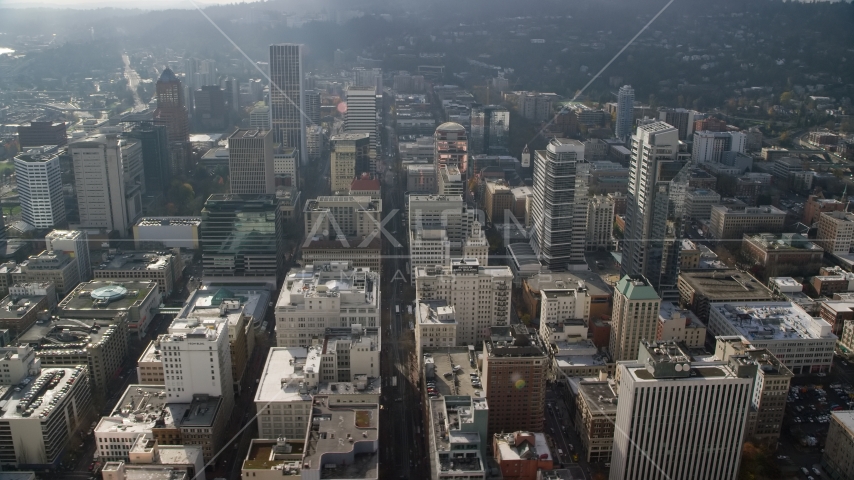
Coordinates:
column 145, row 4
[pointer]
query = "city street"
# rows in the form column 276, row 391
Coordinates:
column 560, row 426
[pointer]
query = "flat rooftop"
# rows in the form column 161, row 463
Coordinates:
column 511, row 451
column 600, row 395
column 169, row 221
column 108, row 295
column 846, row 419
column 67, row 336
column 698, row 370
column 353, row 286
column 435, row 312
column 266, row 454
column 449, row 416
column 337, row 433
column 16, row 306
column 226, row 302
column 136, row 261
column 38, row 395
column 285, row 369
column 725, row 284
column 459, row 383
column 773, row 321
column 137, row 398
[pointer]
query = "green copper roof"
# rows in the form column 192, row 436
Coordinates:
column 636, row 288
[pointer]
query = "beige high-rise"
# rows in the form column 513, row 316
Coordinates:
column 635, row 317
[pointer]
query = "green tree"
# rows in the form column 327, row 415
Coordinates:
column 786, row 98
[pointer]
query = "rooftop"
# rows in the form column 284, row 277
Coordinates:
column 137, row 261
column 435, row 312
column 773, row 321
column 351, row 286
column 441, row 362
column 454, row 426
column 108, row 295
column 67, row 336
column 37, row 396
column 785, row 241
column 348, row 136
column 599, row 395
column 284, row 455
column 846, row 419
column 523, row 445
column 513, row 341
column 229, row 303
column 670, row 311
column 283, row 377
column 725, row 284
column 636, row 288
column 341, row 441
column 140, row 408
column 248, row 133
column 168, row 221
column 16, row 306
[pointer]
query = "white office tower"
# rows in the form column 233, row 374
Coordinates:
column 709, row 147
column 76, row 244
column 99, row 183
column 361, row 116
column 677, row 418
column 480, row 295
column 322, row 296
column 39, row 179
column 625, row 113
column 196, row 358
column 250, row 162
column 287, row 98
column 559, row 207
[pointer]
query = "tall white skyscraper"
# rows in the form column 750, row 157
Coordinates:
column 625, row 112
column 39, row 180
column 250, row 162
column 99, row 183
column 559, row 207
column 287, row 98
column 677, row 418
column 76, row 244
column 361, row 115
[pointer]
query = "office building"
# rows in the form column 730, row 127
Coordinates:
column 667, row 380
column 679, row 325
column 156, row 159
column 447, row 214
column 361, row 116
column 286, row 168
column 699, row 203
column 699, row 288
column 450, row 181
column 780, row 327
column 600, row 223
column 650, row 223
column 514, row 379
column 358, row 456
column 358, row 253
column 259, row 117
column 172, row 112
column 597, row 291
column 421, row 179
column 99, row 185
column 435, row 325
column 783, row 255
column 287, row 98
column 732, row 222
column 322, row 296
column 38, row 134
column 450, row 148
column 39, row 420
column 349, row 159
column 559, row 205
column 479, row 294
column 681, row 118
column 39, row 180
column 838, row 457
column 209, row 107
column 497, row 199
column 26, row 304
column 711, row 124
column 312, row 107
column 635, row 317
column 250, row 162
column 490, row 130
column 315, row 141
column 149, row 366
column 101, row 344
column 283, row 398
column 241, row 236
column 167, row 232
column 836, row 232
column 339, row 217
column 101, row 299
column 150, row 460
column 625, row 113
column 815, row 206
column 595, row 416
column 18, row 363
column 164, row 268
column 279, row 459
column 56, row 267
column 710, row 147
column 349, row 354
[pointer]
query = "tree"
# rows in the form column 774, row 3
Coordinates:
column 786, row 98
column 526, row 319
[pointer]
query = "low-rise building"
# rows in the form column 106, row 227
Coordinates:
column 803, row 343
column 148, row 459
column 816, row 205
column 18, row 363
column 149, row 367
column 699, row 203
column 25, row 304
column 39, row 419
column 832, row 280
column 167, row 232
column 727, row 223
column 836, row 313
column 783, row 255
column 838, row 458
column 361, row 252
column 836, row 232
column 597, row 294
column 595, row 415
column 279, row 459
column 105, row 299
column 699, row 288
column 355, row 451
column 435, row 325
column 457, row 436
column 162, row 267
column 680, row 325
column 522, row 455
column 56, row 267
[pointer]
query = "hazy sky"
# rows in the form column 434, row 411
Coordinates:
column 147, row 4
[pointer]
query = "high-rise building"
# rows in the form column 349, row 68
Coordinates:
column 334, row 217
column 490, row 130
column 368, row 77
column 361, row 115
column 635, row 317
column 349, row 159
column 172, row 112
column 286, row 167
column 600, row 223
column 625, row 113
column 559, row 207
column 76, row 244
column 450, row 147
column 515, row 364
column 209, row 110
column 39, row 179
column 693, row 394
column 312, row 106
column 250, row 162
column 99, row 184
column 38, row 134
column 440, row 228
column 681, row 118
column 654, row 149
column 836, row 232
column 709, row 147
column 259, row 117
column 132, row 164
column 241, row 236
column 287, row 98
column 156, row 160
column 480, row 295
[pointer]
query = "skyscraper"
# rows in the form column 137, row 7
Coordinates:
column 635, row 317
column 172, row 112
column 350, row 158
column 681, row 118
column 678, row 418
column 625, row 113
column 361, row 115
column 450, row 148
column 490, row 130
column 709, row 147
column 209, row 107
column 287, row 98
column 312, row 106
column 157, row 167
column 250, row 162
column 559, row 207
column 76, row 244
column 99, row 183
column 653, row 166
column 39, row 181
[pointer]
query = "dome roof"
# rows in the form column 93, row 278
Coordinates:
column 168, row 76
column 451, row 127
column 109, row 293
